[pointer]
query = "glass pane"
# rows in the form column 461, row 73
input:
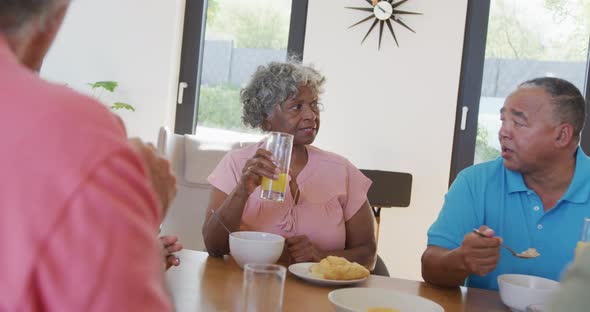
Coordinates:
column 528, row 39
column 239, row 36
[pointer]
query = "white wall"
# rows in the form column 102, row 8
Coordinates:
column 392, row 109
column 134, row 42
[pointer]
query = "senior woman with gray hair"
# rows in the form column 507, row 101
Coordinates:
column 326, row 211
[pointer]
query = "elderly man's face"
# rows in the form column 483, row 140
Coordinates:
column 529, row 130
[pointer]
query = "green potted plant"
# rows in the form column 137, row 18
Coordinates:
column 99, row 87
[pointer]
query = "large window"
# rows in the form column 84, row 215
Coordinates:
column 235, row 37
column 522, row 39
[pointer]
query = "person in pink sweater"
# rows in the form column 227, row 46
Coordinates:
column 80, row 206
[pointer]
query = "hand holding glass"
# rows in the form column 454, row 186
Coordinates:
column 263, row 286
column 280, row 145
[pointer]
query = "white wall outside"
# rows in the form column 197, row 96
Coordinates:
column 134, row 42
column 392, row 109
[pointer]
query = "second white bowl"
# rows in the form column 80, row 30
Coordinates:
column 518, row 291
column 361, row 299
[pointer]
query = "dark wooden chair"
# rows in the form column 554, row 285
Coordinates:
column 389, row 189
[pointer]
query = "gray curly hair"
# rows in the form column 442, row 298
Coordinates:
column 273, row 84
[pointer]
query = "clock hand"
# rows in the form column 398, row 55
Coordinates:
column 380, row 8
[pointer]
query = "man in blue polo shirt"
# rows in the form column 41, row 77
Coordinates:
column 535, row 196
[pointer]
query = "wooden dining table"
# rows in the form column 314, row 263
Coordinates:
column 204, row 283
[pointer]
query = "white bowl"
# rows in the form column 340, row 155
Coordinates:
column 255, row 247
column 361, row 299
column 518, row 291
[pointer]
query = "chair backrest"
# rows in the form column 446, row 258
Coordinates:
column 389, row 189
column 171, row 146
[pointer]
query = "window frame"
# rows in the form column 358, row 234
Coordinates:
column 193, row 39
column 470, row 83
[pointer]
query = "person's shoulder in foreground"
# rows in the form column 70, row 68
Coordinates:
column 83, row 210
column 79, row 215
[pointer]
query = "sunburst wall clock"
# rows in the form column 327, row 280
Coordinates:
column 383, row 12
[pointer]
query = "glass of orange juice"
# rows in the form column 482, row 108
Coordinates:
column 584, row 241
column 280, row 145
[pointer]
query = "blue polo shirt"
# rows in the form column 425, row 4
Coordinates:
column 489, row 194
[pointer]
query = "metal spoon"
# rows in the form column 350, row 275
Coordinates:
column 527, row 254
column 219, row 220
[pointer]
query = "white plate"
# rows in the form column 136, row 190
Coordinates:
column 301, row 270
column 361, row 299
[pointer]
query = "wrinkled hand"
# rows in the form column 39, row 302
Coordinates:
column 300, row 249
column 163, row 182
column 260, row 165
column 170, row 245
column 481, row 254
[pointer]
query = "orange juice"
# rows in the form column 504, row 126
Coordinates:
column 281, row 147
column 275, row 186
column 581, row 245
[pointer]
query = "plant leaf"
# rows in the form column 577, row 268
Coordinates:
column 107, row 85
column 119, row 105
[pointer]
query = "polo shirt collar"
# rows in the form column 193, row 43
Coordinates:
column 577, row 192
column 579, row 189
column 515, row 182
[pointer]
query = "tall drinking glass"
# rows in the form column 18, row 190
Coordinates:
column 262, row 290
column 280, row 145
column 584, row 241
